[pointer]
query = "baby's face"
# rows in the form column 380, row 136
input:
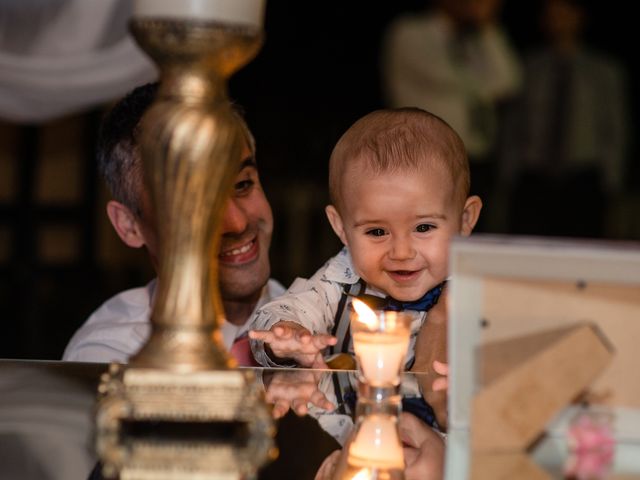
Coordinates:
column 398, row 227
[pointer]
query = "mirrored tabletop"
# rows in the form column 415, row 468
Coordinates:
column 47, row 414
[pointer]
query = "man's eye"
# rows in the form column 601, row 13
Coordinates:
column 376, row 232
column 424, row 227
column 243, row 186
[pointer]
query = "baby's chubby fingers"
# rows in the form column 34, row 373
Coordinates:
column 318, row 362
column 266, row 336
column 440, row 384
column 280, row 409
column 283, row 332
column 441, row 368
column 323, row 340
column 320, row 400
column 304, row 337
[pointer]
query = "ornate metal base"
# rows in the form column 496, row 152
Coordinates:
column 162, row 424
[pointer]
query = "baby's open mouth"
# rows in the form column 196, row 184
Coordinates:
column 401, row 275
column 404, row 273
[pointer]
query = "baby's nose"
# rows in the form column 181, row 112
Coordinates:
column 402, row 248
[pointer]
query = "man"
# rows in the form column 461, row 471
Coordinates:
column 120, row 327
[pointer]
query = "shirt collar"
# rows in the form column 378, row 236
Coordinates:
column 340, row 268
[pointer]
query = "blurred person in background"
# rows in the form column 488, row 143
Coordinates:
column 455, row 60
column 565, row 139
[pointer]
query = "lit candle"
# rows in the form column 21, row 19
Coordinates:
column 380, row 341
column 244, row 12
column 377, row 444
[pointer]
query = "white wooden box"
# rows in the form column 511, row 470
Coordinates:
column 503, row 287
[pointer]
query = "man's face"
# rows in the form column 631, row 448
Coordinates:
column 247, row 225
column 398, row 227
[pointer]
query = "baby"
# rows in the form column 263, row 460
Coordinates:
column 399, row 184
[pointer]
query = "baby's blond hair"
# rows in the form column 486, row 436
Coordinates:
column 399, row 139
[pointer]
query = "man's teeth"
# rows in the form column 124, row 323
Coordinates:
column 238, row 251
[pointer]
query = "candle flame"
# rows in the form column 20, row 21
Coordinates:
column 365, row 314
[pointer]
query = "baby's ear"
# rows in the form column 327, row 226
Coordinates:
column 470, row 215
column 336, row 222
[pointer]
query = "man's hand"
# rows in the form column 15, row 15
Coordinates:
column 423, row 449
column 291, row 340
column 328, row 467
column 295, row 389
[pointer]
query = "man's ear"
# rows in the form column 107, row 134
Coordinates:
column 336, row 222
column 470, row 215
column 125, row 224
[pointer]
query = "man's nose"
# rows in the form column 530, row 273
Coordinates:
column 234, row 219
column 402, row 248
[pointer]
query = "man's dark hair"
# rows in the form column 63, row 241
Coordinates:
column 118, row 152
column 118, row 145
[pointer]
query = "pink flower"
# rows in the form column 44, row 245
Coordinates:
column 591, row 446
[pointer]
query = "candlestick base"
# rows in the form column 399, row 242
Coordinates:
column 209, row 422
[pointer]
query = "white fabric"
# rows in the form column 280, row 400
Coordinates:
column 313, row 304
column 45, row 423
column 62, row 56
column 119, row 328
column 420, row 70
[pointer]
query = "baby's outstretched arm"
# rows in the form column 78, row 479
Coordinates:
column 292, row 341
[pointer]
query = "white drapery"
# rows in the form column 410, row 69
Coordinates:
column 59, row 57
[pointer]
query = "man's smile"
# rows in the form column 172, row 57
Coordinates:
column 240, row 253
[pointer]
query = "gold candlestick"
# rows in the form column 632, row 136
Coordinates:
column 191, row 145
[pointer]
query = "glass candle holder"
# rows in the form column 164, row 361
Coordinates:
column 374, row 450
column 380, row 342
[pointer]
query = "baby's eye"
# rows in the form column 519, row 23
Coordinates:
column 424, row 227
column 376, row 232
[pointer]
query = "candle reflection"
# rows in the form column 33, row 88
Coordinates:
column 377, row 443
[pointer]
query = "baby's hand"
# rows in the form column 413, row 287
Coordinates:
column 294, row 389
column 291, row 340
column 441, row 383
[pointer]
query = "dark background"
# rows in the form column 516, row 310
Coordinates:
column 315, row 75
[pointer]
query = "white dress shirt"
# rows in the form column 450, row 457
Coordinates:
column 120, row 327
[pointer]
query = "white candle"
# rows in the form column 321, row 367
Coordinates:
column 380, row 342
column 244, row 12
column 377, row 444
column 381, row 356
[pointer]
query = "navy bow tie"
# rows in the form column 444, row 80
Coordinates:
column 423, row 304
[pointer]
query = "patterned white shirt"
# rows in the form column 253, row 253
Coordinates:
column 313, row 303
